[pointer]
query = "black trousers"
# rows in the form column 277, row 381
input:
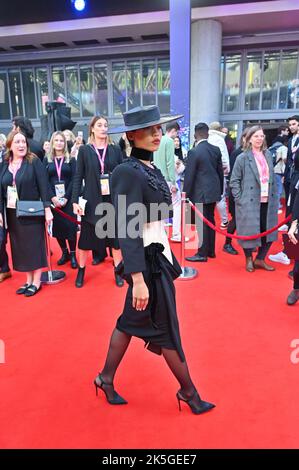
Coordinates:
column 296, row 275
column 262, row 250
column 4, row 267
column 207, row 247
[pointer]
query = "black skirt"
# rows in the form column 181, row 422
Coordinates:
column 28, row 245
column 62, row 227
column 89, row 241
column 158, row 324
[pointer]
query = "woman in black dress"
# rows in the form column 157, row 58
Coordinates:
column 148, row 263
column 95, row 163
column 61, row 169
column 23, row 177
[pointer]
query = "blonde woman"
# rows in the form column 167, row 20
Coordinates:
column 253, row 187
column 95, row 163
column 61, row 169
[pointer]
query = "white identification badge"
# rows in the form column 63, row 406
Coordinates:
column 12, row 197
column 60, row 190
column 105, row 187
column 264, row 189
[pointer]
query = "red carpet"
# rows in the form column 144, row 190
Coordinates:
column 236, row 331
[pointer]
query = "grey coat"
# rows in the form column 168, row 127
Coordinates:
column 246, row 190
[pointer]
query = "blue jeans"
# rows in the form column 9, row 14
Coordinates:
column 279, row 188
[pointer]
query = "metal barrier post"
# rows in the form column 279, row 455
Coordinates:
column 51, row 277
column 187, row 272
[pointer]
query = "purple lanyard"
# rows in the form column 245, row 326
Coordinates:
column 14, row 170
column 101, row 159
column 59, row 167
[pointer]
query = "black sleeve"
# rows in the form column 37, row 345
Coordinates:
column 50, row 190
column 220, row 170
column 295, row 210
column 190, row 172
column 79, row 175
column 126, row 182
column 42, row 181
column 68, row 193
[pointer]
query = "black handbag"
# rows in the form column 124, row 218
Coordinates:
column 30, row 209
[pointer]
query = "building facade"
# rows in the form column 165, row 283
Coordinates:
column 244, row 63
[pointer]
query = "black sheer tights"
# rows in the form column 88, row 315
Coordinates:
column 118, row 345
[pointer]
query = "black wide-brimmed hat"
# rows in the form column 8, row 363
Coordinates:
column 141, row 117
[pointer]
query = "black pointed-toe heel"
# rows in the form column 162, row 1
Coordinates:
column 198, row 406
column 80, row 277
column 116, row 400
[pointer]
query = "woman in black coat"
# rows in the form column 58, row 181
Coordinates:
column 23, row 178
column 61, row 170
column 95, row 163
column 148, row 263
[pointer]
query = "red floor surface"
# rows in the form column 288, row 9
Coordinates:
column 236, row 331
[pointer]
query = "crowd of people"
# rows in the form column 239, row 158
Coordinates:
column 246, row 184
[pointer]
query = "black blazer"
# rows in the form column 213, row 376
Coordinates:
column 88, row 168
column 36, row 148
column 204, row 174
column 31, row 182
column 290, row 160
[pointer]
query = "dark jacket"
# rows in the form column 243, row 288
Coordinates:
column 31, row 182
column 36, row 148
column 88, row 168
column 204, row 174
column 290, row 159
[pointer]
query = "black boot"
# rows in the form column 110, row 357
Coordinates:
column 74, row 263
column 64, row 258
column 118, row 279
column 80, row 277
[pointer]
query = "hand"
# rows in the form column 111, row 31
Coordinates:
column 77, row 209
column 49, row 215
column 173, row 189
column 1, row 220
column 291, row 233
column 56, row 201
column 140, row 292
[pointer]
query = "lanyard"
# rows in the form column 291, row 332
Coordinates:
column 59, row 167
column 14, row 170
column 101, row 159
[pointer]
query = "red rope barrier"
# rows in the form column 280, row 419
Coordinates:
column 66, row 216
column 238, row 237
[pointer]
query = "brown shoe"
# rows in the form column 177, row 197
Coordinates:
column 4, row 276
column 249, row 264
column 293, row 297
column 261, row 264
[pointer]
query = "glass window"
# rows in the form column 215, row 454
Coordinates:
column 15, row 93
column 87, row 96
column 4, row 103
column 232, row 82
column 133, row 84
column 119, row 87
column 28, row 93
column 59, row 93
column 163, row 80
column 289, row 84
column 42, row 89
column 253, row 81
column 101, row 89
column 149, row 82
column 270, row 80
column 72, row 89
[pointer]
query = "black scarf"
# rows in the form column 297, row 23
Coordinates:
column 142, row 154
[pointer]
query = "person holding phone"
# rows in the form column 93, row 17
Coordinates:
column 95, row 163
column 61, row 169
